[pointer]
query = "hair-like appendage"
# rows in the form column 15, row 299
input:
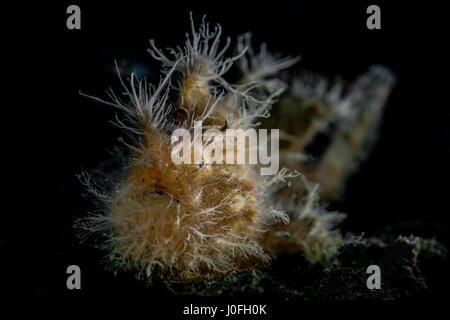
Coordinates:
column 347, row 114
column 185, row 220
column 180, row 220
column 311, row 229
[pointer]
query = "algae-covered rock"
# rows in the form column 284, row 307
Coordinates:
column 407, row 268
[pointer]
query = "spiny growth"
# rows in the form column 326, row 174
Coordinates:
column 187, row 220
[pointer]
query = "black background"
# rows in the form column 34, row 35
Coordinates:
column 401, row 188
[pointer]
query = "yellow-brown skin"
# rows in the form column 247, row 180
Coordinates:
column 186, row 220
column 193, row 92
